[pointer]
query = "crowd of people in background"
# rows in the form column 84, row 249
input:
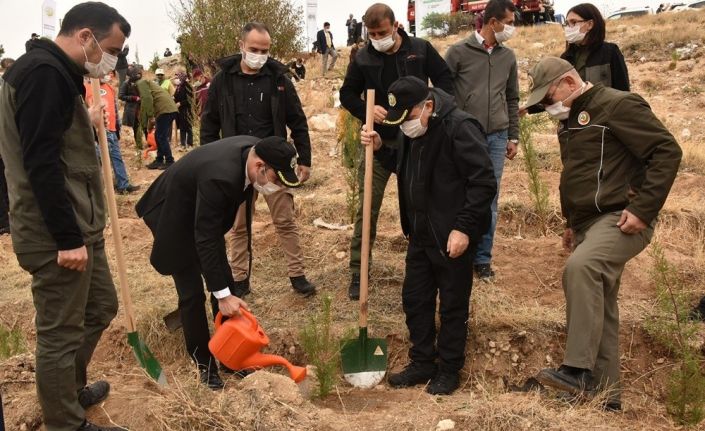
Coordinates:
column 443, row 132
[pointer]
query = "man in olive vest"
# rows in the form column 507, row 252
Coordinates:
column 57, row 207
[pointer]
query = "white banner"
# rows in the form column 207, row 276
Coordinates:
column 49, row 19
column 426, row 7
column 311, row 26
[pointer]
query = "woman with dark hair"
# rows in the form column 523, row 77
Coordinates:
column 595, row 60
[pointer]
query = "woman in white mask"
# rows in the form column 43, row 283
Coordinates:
column 595, row 60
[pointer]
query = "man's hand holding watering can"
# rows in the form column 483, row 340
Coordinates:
column 230, row 305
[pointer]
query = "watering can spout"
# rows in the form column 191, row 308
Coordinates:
column 261, row 360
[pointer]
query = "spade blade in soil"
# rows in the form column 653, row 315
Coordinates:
column 146, row 358
column 364, row 360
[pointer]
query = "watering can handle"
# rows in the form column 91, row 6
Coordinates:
column 243, row 312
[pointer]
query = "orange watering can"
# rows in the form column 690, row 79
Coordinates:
column 237, row 344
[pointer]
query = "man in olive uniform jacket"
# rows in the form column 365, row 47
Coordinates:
column 619, row 163
column 57, row 211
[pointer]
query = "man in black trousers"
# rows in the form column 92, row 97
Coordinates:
column 446, row 185
column 190, row 207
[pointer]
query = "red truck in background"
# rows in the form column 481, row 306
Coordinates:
column 529, row 12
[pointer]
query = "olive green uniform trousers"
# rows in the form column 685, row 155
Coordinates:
column 591, row 284
column 73, row 308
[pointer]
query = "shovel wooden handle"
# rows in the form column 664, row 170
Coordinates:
column 112, row 210
column 367, row 211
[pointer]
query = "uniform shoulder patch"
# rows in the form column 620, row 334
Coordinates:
column 584, row 118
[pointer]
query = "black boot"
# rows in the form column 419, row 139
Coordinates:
column 445, row 383
column 570, row 379
column 354, row 289
column 87, row 426
column 416, row 373
column 242, row 288
column 93, row 394
column 302, row 286
column 211, row 379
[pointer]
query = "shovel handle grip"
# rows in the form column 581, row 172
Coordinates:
column 243, row 312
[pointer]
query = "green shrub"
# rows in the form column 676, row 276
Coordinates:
column 322, row 350
column 537, row 187
column 11, row 342
column 670, row 326
column 351, row 151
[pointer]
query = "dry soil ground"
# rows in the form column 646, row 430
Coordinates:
column 517, row 322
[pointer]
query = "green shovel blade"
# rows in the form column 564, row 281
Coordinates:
column 364, row 360
column 146, row 358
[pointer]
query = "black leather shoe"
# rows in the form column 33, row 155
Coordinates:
column 87, row 426
column 302, row 286
column 698, row 313
column 238, row 373
column 127, row 190
column 484, row 272
column 166, row 165
column 211, row 379
column 4, row 230
column 155, row 165
column 416, row 373
column 354, row 289
column 445, row 383
column 93, row 394
column 242, row 288
column 570, row 379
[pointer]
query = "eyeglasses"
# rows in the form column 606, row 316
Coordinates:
column 573, row 23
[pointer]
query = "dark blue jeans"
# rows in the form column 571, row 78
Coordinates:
column 497, row 148
column 162, row 134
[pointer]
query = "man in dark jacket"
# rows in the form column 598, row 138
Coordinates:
column 190, row 207
column 56, row 201
column 121, row 67
column 326, row 48
column 130, row 94
column 619, row 163
column 446, row 185
column 389, row 55
column 252, row 95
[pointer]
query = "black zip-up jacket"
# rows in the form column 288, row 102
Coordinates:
column 415, row 57
column 445, row 177
column 219, row 115
column 605, row 65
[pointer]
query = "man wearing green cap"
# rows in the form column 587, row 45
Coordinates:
column 619, row 162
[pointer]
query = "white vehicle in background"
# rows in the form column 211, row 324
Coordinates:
column 630, row 13
column 699, row 4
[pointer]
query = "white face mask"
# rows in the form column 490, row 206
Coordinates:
column 255, row 61
column 107, row 63
column 414, row 128
column 505, row 34
column 558, row 110
column 268, row 188
column 573, row 34
column 385, row 44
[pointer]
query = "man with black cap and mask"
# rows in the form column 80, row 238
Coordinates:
column 619, row 163
column 446, row 186
column 190, row 207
